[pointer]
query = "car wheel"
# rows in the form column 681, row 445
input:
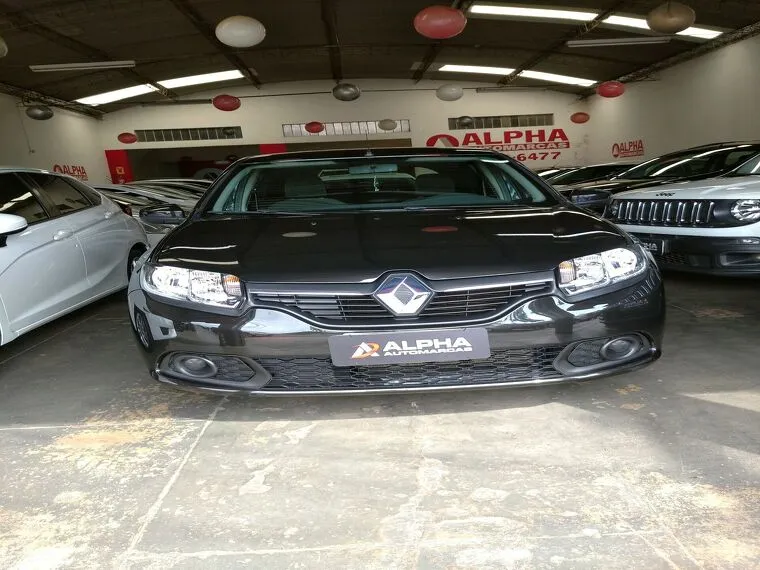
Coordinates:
column 134, row 255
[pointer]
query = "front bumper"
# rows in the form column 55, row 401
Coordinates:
column 732, row 256
column 266, row 352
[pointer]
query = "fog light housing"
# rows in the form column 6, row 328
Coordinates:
column 620, row 348
column 194, row 366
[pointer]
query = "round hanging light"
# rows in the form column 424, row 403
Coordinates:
column 671, row 18
column 314, row 127
column 440, row 22
column 465, row 121
column 127, row 138
column 387, row 125
column 611, row 89
column 240, row 32
column 449, row 92
column 580, row 117
column 226, row 102
column 346, row 92
column 39, row 112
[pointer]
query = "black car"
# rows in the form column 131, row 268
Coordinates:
column 589, row 173
column 390, row 269
column 695, row 163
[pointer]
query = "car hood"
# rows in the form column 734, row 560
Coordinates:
column 349, row 248
column 711, row 189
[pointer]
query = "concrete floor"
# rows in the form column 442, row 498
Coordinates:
column 101, row 468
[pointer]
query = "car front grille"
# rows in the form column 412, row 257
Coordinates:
column 683, row 259
column 680, row 213
column 504, row 366
column 448, row 306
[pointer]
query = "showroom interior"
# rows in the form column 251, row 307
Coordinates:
column 151, row 113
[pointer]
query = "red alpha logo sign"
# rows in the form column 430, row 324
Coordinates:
column 628, row 149
column 509, row 141
column 74, row 170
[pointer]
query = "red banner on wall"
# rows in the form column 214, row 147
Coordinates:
column 119, row 166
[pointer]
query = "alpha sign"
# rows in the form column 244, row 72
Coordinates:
column 75, row 170
column 550, row 141
column 628, row 149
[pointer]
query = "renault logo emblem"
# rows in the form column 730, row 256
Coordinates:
column 404, row 295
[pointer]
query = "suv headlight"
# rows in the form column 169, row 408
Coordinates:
column 202, row 287
column 600, row 270
column 746, row 210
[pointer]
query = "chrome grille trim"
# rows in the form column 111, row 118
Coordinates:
column 683, row 213
column 447, row 307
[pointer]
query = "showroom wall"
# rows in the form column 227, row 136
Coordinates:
column 712, row 98
column 263, row 112
column 68, row 142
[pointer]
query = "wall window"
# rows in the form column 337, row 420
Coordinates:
column 503, row 122
column 345, row 128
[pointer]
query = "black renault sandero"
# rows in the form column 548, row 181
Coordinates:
column 390, row 270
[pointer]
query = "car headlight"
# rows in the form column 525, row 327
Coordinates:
column 746, row 210
column 613, row 208
column 203, row 287
column 600, row 270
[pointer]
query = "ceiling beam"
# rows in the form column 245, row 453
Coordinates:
column 29, row 25
column 435, row 48
column 578, row 33
column 200, row 23
column 330, row 21
column 27, row 95
column 722, row 40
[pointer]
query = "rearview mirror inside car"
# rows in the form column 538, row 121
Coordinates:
column 164, row 214
column 9, row 225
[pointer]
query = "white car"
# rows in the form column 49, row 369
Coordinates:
column 62, row 245
column 710, row 226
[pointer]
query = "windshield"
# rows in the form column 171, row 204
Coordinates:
column 749, row 168
column 376, row 183
column 694, row 162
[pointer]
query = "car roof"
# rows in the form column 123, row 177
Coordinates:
column 370, row 152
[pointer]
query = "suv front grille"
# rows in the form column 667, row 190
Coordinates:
column 448, row 306
column 504, row 366
column 683, row 213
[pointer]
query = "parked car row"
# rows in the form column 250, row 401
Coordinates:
column 696, row 209
column 64, row 244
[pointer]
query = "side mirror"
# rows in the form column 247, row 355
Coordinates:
column 595, row 200
column 9, row 225
column 163, row 215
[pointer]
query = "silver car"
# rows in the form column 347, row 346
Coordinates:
column 62, row 245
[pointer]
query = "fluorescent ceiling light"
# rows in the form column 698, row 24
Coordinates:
column 138, row 90
column 521, row 12
column 619, row 42
column 476, row 69
column 504, row 71
column 637, row 23
column 201, row 79
column 554, row 78
column 117, row 95
column 702, row 33
column 88, row 66
column 641, row 24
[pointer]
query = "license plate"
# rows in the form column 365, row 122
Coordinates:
column 656, row 246
column 409, row 347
